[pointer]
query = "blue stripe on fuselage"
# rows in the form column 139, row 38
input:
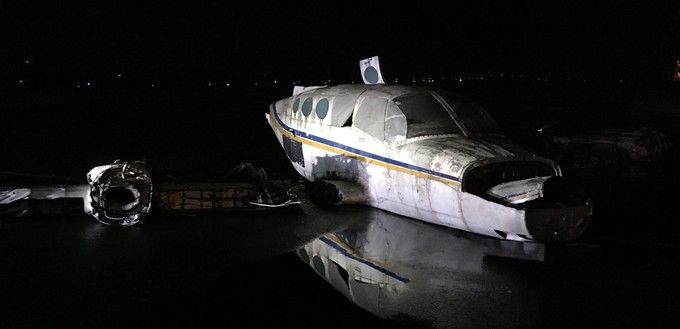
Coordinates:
column 347, row 253
column 318, row 139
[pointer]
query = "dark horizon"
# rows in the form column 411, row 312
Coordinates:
column 57, row 43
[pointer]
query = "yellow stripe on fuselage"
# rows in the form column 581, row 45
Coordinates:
column 273, row 116
column 351, row 251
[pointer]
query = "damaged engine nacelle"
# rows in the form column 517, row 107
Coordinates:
column 120, row 193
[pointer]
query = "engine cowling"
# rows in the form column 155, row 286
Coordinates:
column 120, row 193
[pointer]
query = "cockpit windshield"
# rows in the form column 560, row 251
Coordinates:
column 425, row 116
column 472, row 116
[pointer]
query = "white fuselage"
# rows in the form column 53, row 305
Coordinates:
column 419, row 179
column 424, row 153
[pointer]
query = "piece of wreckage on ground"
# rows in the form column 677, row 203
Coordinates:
column 122, row 193
column 575, row 147
column 425, row 153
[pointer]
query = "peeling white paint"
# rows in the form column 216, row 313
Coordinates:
column 422, row 177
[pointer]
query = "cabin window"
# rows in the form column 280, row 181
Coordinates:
column 296, row 105
column 319, row 266
column 426, row 116
column 307, row 106
column 322, row 108
column 370, row 117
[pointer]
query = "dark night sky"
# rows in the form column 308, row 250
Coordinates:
column 222, row 40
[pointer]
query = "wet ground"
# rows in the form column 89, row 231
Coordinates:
column 241, row 269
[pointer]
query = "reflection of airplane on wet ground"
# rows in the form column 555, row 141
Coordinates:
column 435, row 277
column 424, row 153
column 407, row 270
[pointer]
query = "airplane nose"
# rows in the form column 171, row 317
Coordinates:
column 564, row 216
column 558, row 224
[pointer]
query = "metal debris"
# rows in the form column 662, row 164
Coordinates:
column 122, row 194
column 586, row 149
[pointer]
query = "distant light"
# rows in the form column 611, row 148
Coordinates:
column 152, row 85
column 88, row 84
column 21, row 82
column 274, row 81
column 228, row 84
column 210, row 85
column 119, row 75
column 27, row 62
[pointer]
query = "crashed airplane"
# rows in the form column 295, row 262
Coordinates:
column 425, row 153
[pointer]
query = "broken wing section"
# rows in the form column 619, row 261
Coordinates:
column 121, row 193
